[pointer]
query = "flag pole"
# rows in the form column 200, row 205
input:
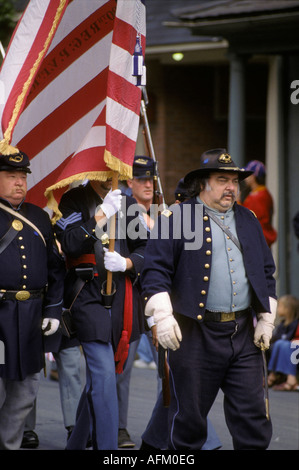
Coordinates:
column 163, row 368
column 112, row 234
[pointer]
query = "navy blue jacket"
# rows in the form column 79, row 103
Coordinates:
column 185, row 274
column 286, row 332
column 76, row 233
column 27, row 264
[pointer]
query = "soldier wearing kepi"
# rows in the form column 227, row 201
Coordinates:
column 142, row 188
column 203, row 301
column 103, row 332
column 31, row 295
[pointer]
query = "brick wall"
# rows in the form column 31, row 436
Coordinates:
column 187, row 114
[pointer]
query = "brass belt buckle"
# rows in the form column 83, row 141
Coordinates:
column 227, row 316
column 22, row 295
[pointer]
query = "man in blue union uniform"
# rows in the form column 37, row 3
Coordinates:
column 31, row 296
column 102, row 331
column 204, row 301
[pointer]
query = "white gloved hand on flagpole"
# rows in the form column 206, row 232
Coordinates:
column 111, row 203
column 114, row 262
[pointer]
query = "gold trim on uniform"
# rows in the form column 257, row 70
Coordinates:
column 232, row 168
column 142, row 161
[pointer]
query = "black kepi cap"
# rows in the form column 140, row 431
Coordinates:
column 144, row 167
column 181, row 191
column 18, row 161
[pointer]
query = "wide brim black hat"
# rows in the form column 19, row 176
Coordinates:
column 215, row 160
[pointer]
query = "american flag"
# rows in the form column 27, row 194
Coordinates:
column 71, row 102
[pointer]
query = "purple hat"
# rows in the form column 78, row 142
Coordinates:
column 257, row 167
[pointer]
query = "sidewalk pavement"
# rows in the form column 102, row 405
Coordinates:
column 284, row 411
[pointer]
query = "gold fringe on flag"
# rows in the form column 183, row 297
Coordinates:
column 7, row 149
column 123, row 169
column 49, row 193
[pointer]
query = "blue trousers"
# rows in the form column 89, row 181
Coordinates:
column 97, row 414
column 156, row 433
column 144, row 349
column 123, row 380
column 280, row 359
column 213, row 356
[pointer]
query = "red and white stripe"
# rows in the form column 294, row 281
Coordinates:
column 81, row 101
column 123, row 96
column 29, row 40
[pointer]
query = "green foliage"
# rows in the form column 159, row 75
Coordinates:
column 7, row 20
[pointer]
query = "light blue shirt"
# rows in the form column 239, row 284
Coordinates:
column 229, row 289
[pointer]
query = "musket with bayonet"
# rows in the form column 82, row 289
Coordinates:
column 158, row 192
column 160, row 205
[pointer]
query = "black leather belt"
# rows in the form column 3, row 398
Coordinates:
column 225, row 316
column 20, row 294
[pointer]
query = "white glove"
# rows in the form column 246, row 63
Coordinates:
column 265, row 325
column 111, row 203
column 50, row 326
column 114, row 262
column 168, row 331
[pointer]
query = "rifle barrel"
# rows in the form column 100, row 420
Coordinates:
column 151, row 147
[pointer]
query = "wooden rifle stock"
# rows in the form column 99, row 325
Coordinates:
column 159, row 201
column 163, row 371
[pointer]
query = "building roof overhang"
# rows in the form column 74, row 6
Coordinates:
column 262, row 27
